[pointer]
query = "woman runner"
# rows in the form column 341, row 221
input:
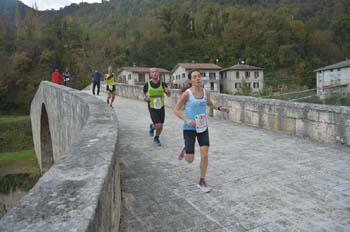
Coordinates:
column 194, row 101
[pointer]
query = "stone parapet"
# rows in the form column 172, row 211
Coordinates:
column 80, row 190
column 323, row 123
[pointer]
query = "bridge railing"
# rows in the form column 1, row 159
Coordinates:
column 327, row 124
column 75, row 137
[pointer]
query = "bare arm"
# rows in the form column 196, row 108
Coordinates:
column 145, row 93
column 167, row 92
column 178, row 109
column 215, row 107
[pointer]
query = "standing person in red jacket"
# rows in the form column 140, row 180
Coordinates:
column 56, row 77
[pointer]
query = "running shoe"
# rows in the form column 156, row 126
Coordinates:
column 157, row 142
column 181, row 153
column 151, row 130
column 202, row 185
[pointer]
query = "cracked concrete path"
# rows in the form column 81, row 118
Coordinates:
column 261, row 181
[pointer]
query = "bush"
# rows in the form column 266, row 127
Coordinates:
column 11, row 182
column 21, row 62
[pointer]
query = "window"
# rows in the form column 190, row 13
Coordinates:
column 256, row 74
column 223, row 75
column 320, row 78
column 141, row 77
column 249, row 85
column 237, row 85
column 247, row 74
column 129, row 77
column 256, row 85
column 211, row 86
column 237, row 75
column 203, row 74
column 183, row 75
column 212, row 76
column 331, row 70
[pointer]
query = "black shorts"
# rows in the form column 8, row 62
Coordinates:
column 111, row 90
column 157, row 115
column 190, row 140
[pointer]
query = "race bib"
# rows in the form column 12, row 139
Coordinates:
column 157, row 103
column 201, row 123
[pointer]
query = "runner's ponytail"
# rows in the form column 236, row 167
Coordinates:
column 186, row 86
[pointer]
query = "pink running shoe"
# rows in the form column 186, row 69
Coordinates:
column 181, row 153
column 202, row 185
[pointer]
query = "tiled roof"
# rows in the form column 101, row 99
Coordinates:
column 242, row 67
column 197, row 66
column 142, row 69
column 343, row 64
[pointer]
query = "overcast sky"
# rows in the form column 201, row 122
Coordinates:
column 54, row 4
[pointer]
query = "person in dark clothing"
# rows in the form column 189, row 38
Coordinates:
column 96, row 79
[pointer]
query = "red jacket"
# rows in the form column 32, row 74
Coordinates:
column 56, row 77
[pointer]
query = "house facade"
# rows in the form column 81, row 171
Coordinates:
column 333, row 79
column 140, row 75
column 210, row 75
column 232, row 78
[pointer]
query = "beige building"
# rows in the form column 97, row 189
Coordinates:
column 210, row 75
column 140, row 75
column 233, row 77
column 333, row 78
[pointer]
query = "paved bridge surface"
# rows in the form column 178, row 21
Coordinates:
column 260, row 180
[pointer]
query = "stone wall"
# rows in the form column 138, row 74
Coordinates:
column 323, row 123
column 81, row 190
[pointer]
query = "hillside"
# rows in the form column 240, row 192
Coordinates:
column 8, row 11
column 289, row 38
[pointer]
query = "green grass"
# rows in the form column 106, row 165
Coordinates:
column 13, row 119
column 15, row 133
column 15, row 156
column 19, row 168
column 19, row 162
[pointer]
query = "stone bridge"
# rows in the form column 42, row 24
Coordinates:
column 273, row 166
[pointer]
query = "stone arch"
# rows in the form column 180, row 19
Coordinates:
column 47, row 159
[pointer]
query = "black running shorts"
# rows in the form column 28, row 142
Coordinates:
column 190, row 140
column 111, row 90
column 157, row 115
